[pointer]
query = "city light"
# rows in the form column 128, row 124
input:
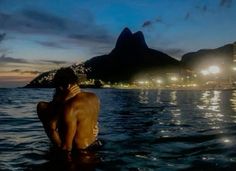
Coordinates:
column 143, row 82
column 214, row 69
column 205, row 72
column 159, row 81
column 211, row 70
column 173, row 78
column 234, row 68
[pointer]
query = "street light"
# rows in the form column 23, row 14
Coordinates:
column 159, row 81
column 173, row 78
column 205, row 72
column 211, row 70
column 214, row 69
column 143, row 82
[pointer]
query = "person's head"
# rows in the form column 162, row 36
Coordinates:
column 64, row 77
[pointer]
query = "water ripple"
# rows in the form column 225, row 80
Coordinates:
column 141, row 130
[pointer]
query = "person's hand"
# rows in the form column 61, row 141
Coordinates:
column 74, row 89
column 96, row 130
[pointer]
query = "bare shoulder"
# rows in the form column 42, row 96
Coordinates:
column 86, row 96
column 83, row 105
column 83, row 99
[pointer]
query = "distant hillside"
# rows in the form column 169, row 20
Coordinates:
column 222, row 55
column 44, row 80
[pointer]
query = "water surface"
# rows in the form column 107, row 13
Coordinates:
column 141, row 130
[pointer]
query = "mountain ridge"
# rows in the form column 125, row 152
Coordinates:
column 202, row 57
column 132, row 56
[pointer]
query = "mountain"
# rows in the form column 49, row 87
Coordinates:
column 220, row 56
column 130, row 57
column 44, row 80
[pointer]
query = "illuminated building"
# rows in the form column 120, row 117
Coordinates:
column 234, row 64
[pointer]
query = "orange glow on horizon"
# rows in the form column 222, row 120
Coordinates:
column 15, row 78
column 17, row 74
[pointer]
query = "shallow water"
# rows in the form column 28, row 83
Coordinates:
column 140, row 129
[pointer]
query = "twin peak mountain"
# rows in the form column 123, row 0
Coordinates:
column 130, row 57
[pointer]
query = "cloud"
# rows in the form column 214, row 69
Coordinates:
column 97, row 43
column 25, row 72
column 51, row 44
column 3, row 50
column 45, row 19
column 187, row 16
column 28, row 21
column 4, row 59
column 54, row 62
column 158, row 20
column 84, row 31
column 203, row 8
column 7, row 60
column 23, row 66
column 225, row 3
column 99, row 38
column 2, row 36
column 149, row 23
column 198, row 8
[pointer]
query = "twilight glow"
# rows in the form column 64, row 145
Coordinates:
column 37, row 36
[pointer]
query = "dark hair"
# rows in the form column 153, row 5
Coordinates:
column 64, row 77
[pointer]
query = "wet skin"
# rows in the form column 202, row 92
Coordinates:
column 71, row 122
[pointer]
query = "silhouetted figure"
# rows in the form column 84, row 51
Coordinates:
column 70, row 119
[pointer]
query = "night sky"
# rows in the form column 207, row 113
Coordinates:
column 40, row 35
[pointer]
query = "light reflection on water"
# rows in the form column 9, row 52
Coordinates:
column 211, row 105
column 143, row 96
column 233, row 100
column 141, row 130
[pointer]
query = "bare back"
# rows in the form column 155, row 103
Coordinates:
column 80, row 117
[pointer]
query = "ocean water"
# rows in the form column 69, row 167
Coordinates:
column 140, row 129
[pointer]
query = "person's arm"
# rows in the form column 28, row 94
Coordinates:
column 70, row 125
column 53, row 134
column 49, row 123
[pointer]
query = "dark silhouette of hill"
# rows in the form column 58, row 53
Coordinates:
column 44, row 80
column 130, row 57
column 222, row 55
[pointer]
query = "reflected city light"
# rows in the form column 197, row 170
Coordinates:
column 226, row 140
column 173, row 97
column 143, row 97
column 211, row 106
column 233, row 100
